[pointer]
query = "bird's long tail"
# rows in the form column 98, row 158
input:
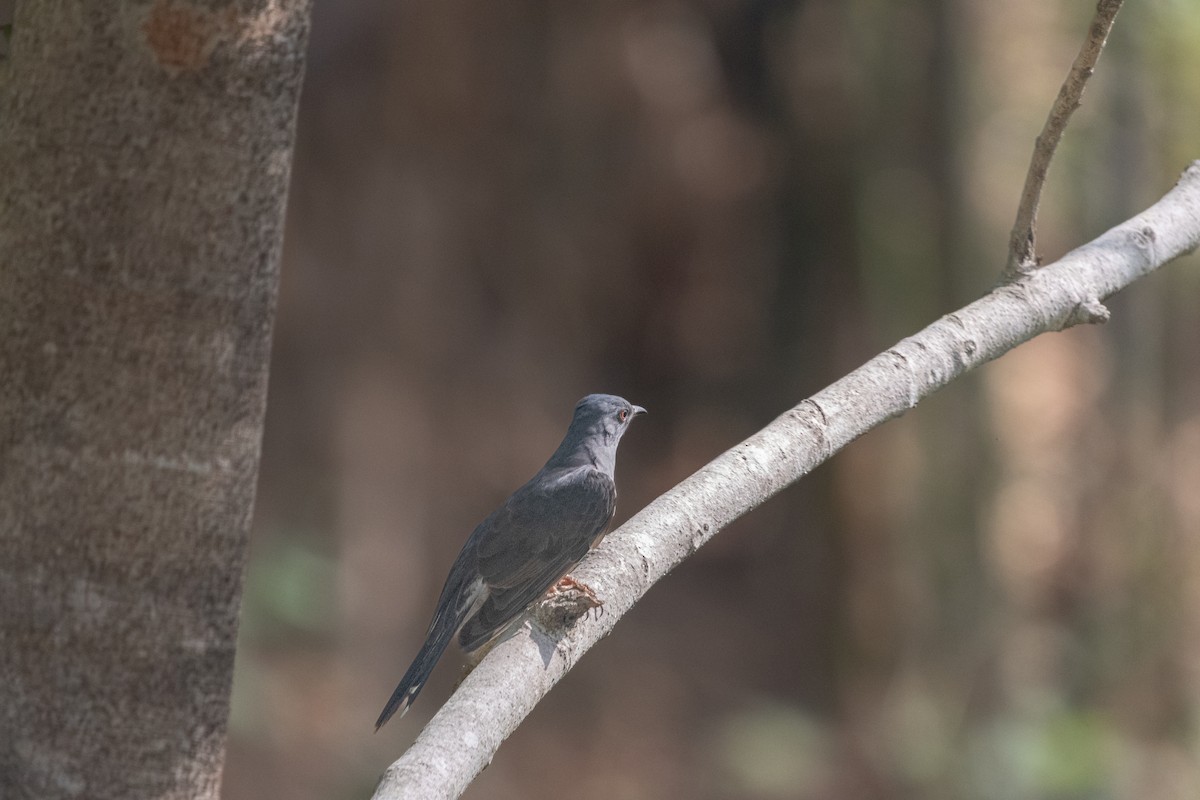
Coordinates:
column 459, row 599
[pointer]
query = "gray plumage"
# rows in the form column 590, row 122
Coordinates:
column 526, row 545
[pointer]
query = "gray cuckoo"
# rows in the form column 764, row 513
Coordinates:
column 526, row 546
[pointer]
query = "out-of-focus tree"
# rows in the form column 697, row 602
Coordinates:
column 144, row 160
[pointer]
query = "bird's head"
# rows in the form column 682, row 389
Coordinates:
column 599, row 422
column 605, row 416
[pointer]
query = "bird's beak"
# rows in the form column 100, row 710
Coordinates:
column 638, row 410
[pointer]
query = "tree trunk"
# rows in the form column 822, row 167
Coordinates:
column 144, row 159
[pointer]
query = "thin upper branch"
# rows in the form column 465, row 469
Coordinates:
column 489, row 705
column 1022, row 250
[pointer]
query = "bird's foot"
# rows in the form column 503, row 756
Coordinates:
column 574, row 591
column 571, row 599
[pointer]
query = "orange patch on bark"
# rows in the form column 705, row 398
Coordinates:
column 182, row 36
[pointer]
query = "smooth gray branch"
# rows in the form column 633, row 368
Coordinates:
column 462, row 737
column 1022, row 246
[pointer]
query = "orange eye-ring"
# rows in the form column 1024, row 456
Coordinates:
column 622, row 415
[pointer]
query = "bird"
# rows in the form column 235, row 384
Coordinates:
column 526, row 547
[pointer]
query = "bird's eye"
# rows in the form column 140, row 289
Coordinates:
column 622, row 415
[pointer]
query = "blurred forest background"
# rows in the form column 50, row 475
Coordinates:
column 715, row 208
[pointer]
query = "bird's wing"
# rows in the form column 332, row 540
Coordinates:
column 532, row 541
column 542, row 523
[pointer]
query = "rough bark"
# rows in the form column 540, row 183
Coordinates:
column 144, row 158
column 462, row 737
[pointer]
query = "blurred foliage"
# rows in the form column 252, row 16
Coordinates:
column 1064, row 755
column 289, row 590
column 771, row 751
column 715, row 209
column 288, row 603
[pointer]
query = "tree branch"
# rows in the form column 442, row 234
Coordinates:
column 462, row 737
column 1022, row 251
